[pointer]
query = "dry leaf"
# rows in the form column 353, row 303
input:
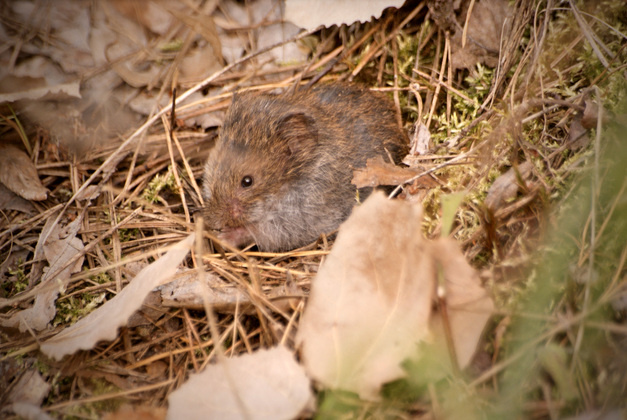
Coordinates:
column 69, row 21
column 103, row 323
column 64, row 252
column 263, row 15
column 311, row 14
column 591, row 115
column 31, row 388
column 186, row 291
column 18, row 173
column 29, row 411
column 205, row 27
column 377, row 172
column 469, row 306
column 152, row 15
column 420, row 140
column 483, row 37
column 27, row 395
column 578, row 137
column 267, row 384
column 60, row 91
column 136, row 413
column 11, row 201
column 506, row 186
column 371, row 300
column 286, row 54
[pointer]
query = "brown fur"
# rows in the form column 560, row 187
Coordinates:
column 300, row 151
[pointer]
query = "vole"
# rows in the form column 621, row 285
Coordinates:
column 280, row 172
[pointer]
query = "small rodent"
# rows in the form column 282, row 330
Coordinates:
column 280, row 172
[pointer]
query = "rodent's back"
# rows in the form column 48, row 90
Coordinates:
column 298, row 151
column 366, row 119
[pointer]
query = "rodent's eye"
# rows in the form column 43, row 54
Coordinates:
column 247, row 181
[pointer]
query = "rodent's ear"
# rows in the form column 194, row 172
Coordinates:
column 299, row 132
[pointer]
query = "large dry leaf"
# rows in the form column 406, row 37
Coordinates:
column 18, row 173
column 267, row 384
column 371, row 301
column 311, row 14
column 64, row 252
column 103, row 323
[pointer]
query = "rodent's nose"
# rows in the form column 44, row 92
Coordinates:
column 235, row 209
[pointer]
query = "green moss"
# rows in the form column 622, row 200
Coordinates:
column 73, row 308
column 17, row 283
column 158, row 184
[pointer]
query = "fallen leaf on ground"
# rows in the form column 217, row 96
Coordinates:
column 18, row 173
column 371, row 300
column 578, row 137
column 187, row 291
column 11, row 201
column 419, row 144
column 267, row 384
column 378, row 172
column 60, row 91
column 103, row 323
column 26, row 397
column 31, row 388
column 591, row 115
column 506, row 186
column 64, row 252
column 311, row 14
column 483, row 37
column 137, row 413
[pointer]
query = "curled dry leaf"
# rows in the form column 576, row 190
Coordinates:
column 311, row 14
column 371, row 300
column 267, row 384
column 103, row 323
column 506, row 186
column 469, row 306
column 377, row 172
column 18, row 173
